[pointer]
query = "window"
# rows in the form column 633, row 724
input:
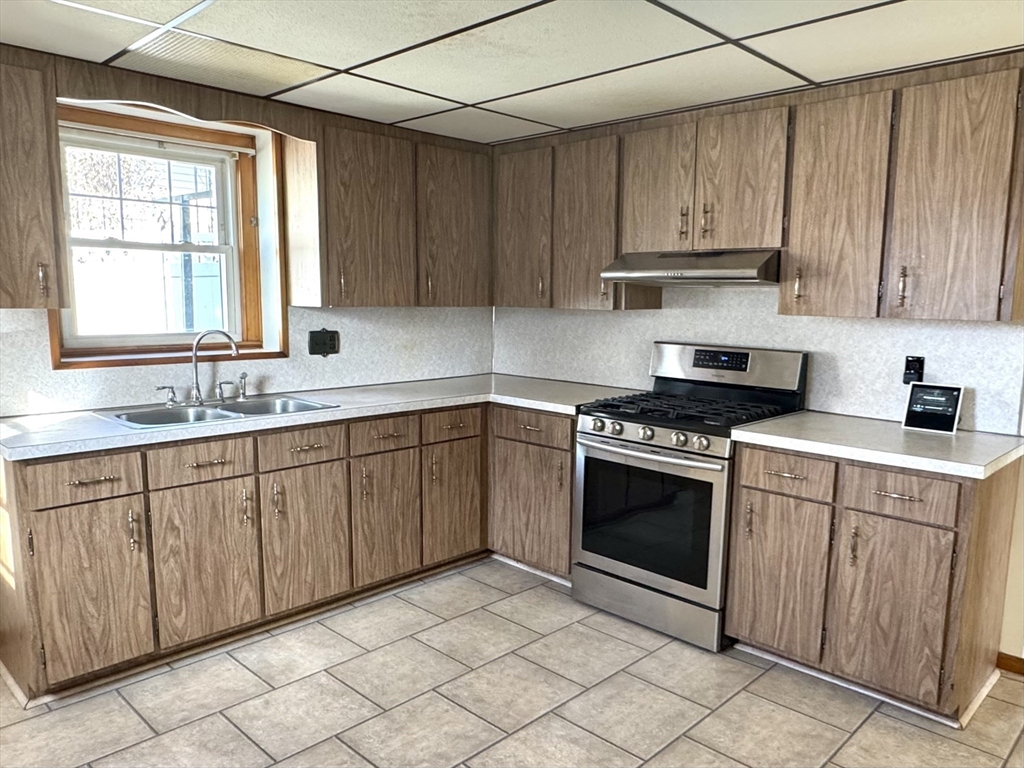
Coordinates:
column 162, row 242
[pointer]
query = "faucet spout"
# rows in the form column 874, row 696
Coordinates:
column 196, row 395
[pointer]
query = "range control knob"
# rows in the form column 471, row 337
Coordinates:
column 615, row 428
column 597, row 425
column 679, row 439
column 646, row 433
column 701, row 443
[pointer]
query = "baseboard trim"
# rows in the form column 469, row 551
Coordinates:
column 1011, row 663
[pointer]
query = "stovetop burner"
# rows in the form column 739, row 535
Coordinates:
column 682, row 411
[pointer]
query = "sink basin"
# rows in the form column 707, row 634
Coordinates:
column 272, row 406
column 166, row 417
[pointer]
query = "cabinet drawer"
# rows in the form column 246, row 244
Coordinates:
column 532, row 427
column 186, row 464
column 384, row 434
column 451, row 425
column 57, row 483
column 303, row 446
column 921, row 499
column 789, row 474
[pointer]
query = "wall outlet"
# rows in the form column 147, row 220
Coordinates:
column 913, row 370
column 324, row 342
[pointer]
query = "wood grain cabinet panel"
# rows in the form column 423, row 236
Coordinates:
column 92, row 575
column 384, row 434
column 386, row 526
column 532, row 427
column 740, row 180
column 439, row 426
column 31, row 217
column 583, row 228
column 205, row 558
column 453, row 199
column 951, row 196
column 371, row 219
column 56, row 483
column 837, row 210
column 788, row 474
column 911, row 497
column 199, row 462
column 887, row 615
column 451, row 500
column 522, row 239
column 279, row 450
column 307, row 555
column 778, row 569
column 657, row 189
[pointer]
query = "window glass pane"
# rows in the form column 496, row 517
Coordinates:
column 195, row 224
column 94, row 217
column 192, row 181
column 144, row 178
column 147, row 222
column 90, row 171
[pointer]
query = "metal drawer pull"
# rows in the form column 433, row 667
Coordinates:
column 540, row 287
column 796, row 286
column 433, row 468
column 387, row 436
column 853, row 545
column 277, row 501
column 530, row 429
column 91, row 480
column 561, row 475
column 749, row 530
column 684, row 216
column 43, row 289
column 301, row 448
column 784, row 474
column 902, row 288
column 131, row 531
column 704, row 228
column 211, row 463
column 460, row 425
column 365, row 492
column 245, row 507
column 899, row 496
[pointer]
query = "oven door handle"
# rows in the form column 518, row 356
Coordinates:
column 650, row 457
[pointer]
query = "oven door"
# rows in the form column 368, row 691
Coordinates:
column 652, row 516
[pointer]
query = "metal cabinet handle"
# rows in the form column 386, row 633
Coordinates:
column 343, row 292
column 387, row 436
column 430, row 288
column 41, row 275
column 704, row 228
column 92, row 480
column 796, row 286
column 684, row 219
column 749, row 530
column 365, row 476
column 303, row 448
column 540, row 287
column 433, row 468
column 528, row 428
column 604, row 290
column 899, row 496
column 460, row 425
column 200, row 464
column 901, row 294
column 131, row 531
column 277, row 501
column 854, row 533
column 561, row 475
column 245, row 507
column 784, row 474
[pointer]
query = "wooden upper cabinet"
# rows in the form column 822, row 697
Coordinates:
column 31, row 216
column 371, row 220
column 740, row 180
column 837, row 211
column 657, row 189
column 453, row 199
column 452, row 512
column 522, row 263
column 583, row 230
column 951, row 197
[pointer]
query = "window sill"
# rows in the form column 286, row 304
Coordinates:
column 119, row 359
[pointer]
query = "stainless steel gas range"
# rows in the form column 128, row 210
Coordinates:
column 653, row 474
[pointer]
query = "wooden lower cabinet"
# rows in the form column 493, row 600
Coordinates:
column 92, row 578
column 386, row 528
column 307, row 554
column 451, row 500
column 888, row 609
column 205, row 558
column 531, row 504
column 778, row 573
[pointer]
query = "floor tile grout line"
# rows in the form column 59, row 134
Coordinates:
column 246, row 736
column 616, row 637
column 805, row 714
column 337, row 737
column 955, row 741
column 138, row 714
column 850, row 734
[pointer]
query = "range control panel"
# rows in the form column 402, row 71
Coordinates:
column 721, row 359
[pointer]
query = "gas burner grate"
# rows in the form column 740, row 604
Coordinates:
column 720, row 413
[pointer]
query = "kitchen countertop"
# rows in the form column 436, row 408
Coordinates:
column 966, row 454
column 61, row 434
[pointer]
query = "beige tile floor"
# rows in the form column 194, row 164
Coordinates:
column 488, row 666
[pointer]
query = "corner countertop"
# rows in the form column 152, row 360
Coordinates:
column 62, row 434
column 966, row 454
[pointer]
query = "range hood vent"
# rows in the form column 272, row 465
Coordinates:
column 691, row 268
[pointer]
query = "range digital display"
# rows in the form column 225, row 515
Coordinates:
column 933, row 407
column 721, row 359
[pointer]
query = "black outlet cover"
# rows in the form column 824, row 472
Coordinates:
column 914, row 370
column 324, row 342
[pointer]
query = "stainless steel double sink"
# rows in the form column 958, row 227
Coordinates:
column 160, row 416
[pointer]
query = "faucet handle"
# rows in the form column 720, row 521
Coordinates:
column 241, row 386
column 172, row 397
column 220, row 388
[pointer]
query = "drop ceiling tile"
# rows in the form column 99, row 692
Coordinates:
column 211, row 62
column 559, row 41
column 359, row 97
column 341, row 33
column 905, row 34
column 477, row 125
column 702, row 77
column 737, row 18
column 160, row 11
column 75, row 32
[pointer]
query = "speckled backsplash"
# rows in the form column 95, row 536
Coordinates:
column 856, row 366
column 377, row 346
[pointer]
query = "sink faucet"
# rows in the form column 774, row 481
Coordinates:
column 196, row 395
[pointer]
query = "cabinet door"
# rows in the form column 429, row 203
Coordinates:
column 950, row 201
column 583, row 230
column 206, row 558
column 657, row 189
column 371, row 220
column 386, row 531
column 840, row 165
column 522, row 265
column 453, row 199
column 29, row 188
column 741, row 174
column 887, row 612
column 778, row 567
column 306, row 549
column 451, row 500
column 93, row 580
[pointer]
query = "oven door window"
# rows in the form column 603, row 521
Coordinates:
column 656, row 521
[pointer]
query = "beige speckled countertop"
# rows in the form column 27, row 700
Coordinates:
column 965, row 454
column 61, row 434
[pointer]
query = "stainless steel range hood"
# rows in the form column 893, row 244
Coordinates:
column 690, row 268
